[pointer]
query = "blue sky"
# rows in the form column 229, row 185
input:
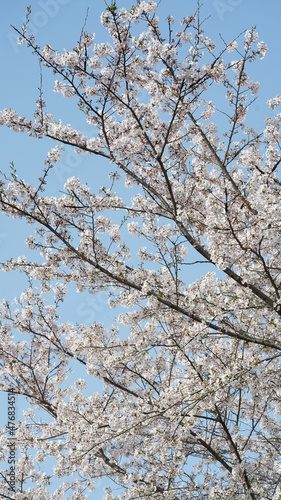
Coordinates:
column 59, row 22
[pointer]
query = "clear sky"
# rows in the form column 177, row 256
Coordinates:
column 59, row 22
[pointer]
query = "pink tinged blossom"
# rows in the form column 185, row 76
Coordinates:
column 273, row 103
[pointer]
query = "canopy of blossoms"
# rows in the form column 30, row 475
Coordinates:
column 190, row 401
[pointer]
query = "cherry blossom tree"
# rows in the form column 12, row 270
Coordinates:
column 190, row 371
